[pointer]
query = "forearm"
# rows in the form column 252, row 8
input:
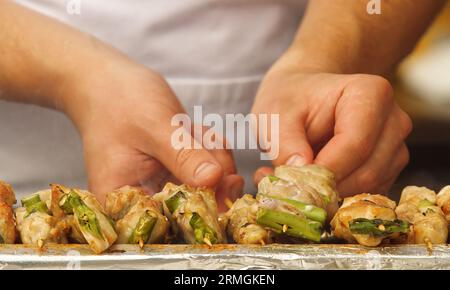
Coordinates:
column 41, row 58
column 342, row 37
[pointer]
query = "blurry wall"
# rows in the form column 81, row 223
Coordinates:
column 422, row 87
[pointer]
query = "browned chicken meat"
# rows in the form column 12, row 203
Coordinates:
column 35, row 222
column 242, row 226
column 314, row 181
column 192, row 213
column 7, row 221
column 139, row 218
column 418, row 206
column 88, row 221
column 443, row 201
column 368, row 220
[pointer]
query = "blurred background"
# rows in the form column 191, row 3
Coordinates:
column 422, row 87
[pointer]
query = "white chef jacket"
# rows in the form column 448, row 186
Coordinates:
column 212, row 52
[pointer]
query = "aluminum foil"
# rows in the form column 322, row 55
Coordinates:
column 226, row 257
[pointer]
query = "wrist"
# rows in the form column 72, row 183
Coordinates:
column 297, row 60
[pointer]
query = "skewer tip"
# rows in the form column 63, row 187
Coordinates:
column 228, row 202
column 40, row 244
column 285, row 228
column 262, row 242
column 141, row 243
column 207, row 241
column 429, row 245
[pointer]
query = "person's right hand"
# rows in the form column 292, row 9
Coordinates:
column 124, row 117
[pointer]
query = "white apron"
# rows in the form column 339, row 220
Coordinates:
column 212, row 52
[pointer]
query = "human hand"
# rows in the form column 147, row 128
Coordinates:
column 348, row 123
column 124, row 117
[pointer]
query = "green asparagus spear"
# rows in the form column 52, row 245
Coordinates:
column 273, row 178
column 297, row 226
column 143, row 229
column 37, row 207
column 310, row 211
column 425, row 206
column 175, row 201
column 202, row 232
column 30, row 200
column 378, row 227
column 65, row 205
column 34, row 204
column 86, row 217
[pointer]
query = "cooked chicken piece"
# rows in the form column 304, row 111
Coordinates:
column 275, row 186
column 418, row 206
column 242, row 224
column 193, row 213
column 7, row 194
column 313, row 177
column 367, row 219
column 39, row 228
column 7, row 221
column 443, row 201
column 89, row 217
column 120, row 201
column 139, row 218
column 35, row 222
column 415, row 195
column 7, row 224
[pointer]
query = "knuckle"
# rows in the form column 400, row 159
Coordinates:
column 360, row 147
column 403, row 157
column 368, row 180
column 183, row 159
column 384, row 93
column 406, row 124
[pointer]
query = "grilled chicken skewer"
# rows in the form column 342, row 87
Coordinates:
column 192, row 213
column 242, row 226
column 35, row 222
column 139, row 218
column 368, row 219
column 418, row 206
column 87, row 218
column 314, row 181
column 294, row 202
column 7, row 221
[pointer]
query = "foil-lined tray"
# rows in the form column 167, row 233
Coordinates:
column 226, row 257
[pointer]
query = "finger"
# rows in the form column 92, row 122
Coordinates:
column 363, row 182
column 232, row 188
column 261, row 173
column 216, row 145
column 372, row 173
column 360, row 116
column 196, row 167
column 119, row 167
column 294, row 148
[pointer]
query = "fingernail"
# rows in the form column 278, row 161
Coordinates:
column 296, row 160
column 205, row 170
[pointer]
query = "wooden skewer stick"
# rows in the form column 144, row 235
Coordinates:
column 228, row 202
column 285, row 228
column 262, row 242
column 141, row 243
column 429, row 245
column 207, row 241
column 40, row 243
